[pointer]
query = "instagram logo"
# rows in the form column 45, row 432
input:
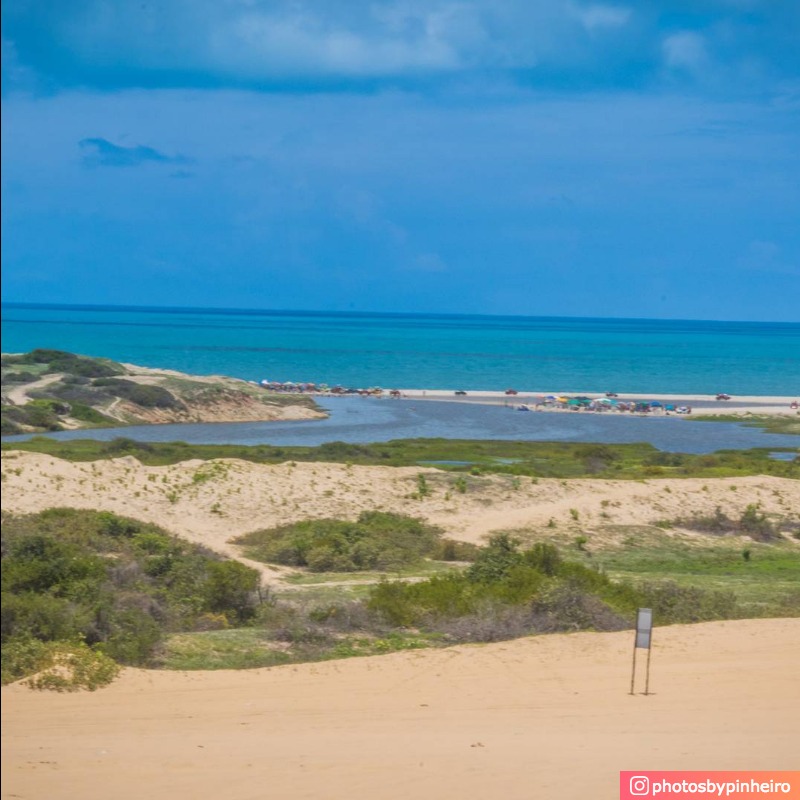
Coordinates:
column 640, row 785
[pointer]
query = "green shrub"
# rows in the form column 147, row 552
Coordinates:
column 74, row 666
column 494, row 561
column 141, row 394
column 19, row 377
column 91, row 415
column 453, row 550
column 118, row 584
column 377, row 540
column 230, row 589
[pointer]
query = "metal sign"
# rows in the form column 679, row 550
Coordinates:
column 644, row 627
column 643, row 638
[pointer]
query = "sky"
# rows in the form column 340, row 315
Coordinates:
column 533, row 157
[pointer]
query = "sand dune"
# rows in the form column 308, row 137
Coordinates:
column 210, row 502
column 543, row 717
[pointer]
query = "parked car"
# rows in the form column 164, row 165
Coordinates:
column 511, row 391
column 460, row 392
column 611, row 394
column 723, row 396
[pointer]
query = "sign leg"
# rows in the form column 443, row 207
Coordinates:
column 647, row 677
column 633, row 668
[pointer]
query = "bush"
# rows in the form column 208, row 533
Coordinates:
column 494, row 561
column 377, row 540
column 74, row 666
column 672, row 603
column 230, row 589
column 453, row 550
column 36, row 414
column 752, row 523
column 141, row 394
column 116, row 583
column 84, row 367
column 19, row 377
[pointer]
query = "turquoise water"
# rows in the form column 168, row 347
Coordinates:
column 464, row 352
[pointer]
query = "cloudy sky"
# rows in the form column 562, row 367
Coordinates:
column 538, row 157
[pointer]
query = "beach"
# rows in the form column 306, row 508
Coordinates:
column 540, row 717
column 706, row 405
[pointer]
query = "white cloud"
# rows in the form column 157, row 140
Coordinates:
column 685, row 51
column 259, row 40
column 595, row 18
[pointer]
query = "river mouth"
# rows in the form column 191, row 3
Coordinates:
column 358, row 420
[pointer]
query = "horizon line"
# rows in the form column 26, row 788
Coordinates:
column 330, row 312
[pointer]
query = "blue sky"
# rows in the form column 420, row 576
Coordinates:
column 542, row 157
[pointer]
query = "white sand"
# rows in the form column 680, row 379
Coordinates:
column 546, row 717
column 700, row 404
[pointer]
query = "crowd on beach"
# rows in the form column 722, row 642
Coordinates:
column 609, row 403
column 322, row 388
column 603, row 404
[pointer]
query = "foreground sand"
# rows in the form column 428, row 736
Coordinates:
column 544, row 717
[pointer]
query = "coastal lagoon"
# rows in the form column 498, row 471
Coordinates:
column 367, row 419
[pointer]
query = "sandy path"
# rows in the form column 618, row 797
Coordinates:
column 19, row 394
column 544, row 717
column 237, row 496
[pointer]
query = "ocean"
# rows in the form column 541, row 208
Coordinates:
column 540, row 354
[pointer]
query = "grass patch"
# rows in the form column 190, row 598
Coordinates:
column 467, row 459
column 244, row 648
column 768, row 584
column 422, row 569
column 771, row 423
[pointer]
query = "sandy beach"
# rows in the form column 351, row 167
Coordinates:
column 700, row 403
column 541, row 717
column 546, row 716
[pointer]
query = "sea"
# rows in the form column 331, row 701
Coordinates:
column 457, row 352
column 540, row 354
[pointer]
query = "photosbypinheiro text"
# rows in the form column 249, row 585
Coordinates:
column 736, row 785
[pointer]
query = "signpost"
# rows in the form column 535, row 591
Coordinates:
column 644, row 638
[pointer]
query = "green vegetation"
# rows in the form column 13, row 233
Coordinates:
column 84, row 591
column 377, row 540
column 52, row 361
column 771, row 423
column 752, row 523
column 475, row 458
column 143, row 395
column 115, row 585
column 510, row 592
column 766, row 584
column 83, row 389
